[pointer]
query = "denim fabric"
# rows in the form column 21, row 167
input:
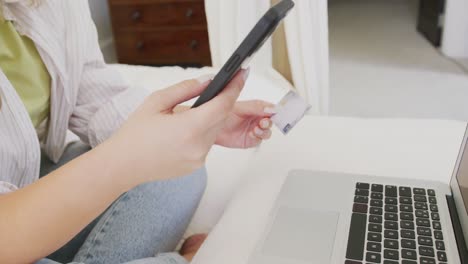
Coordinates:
column 142, row 227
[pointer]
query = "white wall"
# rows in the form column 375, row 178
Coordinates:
column 455, row 36
column 100, row 13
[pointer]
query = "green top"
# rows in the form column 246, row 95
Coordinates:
column 24, row 68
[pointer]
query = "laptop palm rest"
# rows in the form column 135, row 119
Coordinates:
column 304, row 235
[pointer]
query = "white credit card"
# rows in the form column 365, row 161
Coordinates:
column 290, row 110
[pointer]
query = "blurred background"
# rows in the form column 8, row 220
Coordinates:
column 384, row 58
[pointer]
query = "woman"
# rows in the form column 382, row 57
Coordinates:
column 122, row 199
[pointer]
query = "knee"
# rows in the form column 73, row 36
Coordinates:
column 190, row 187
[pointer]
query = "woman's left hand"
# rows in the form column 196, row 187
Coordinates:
column 248, row 125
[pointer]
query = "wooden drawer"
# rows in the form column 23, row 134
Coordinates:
column 157, row 13
column 164, row 47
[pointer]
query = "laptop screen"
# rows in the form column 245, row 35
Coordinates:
column 462, row 177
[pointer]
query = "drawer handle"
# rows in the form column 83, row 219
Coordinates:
column 193, row 44
column 189, row 13
column 140, row 45
column 136, row 15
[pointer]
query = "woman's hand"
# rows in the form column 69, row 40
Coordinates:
column 248, row 124
column 159, row 143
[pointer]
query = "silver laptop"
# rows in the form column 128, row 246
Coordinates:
column 322, row 217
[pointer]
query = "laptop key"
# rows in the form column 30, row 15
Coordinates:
column 361, row 199
column 435, row 216
column 420, row 198
column 422, row 213
column 391, row 208
column 423, row 231
column 408, row 243
column 391, row 234
column 373, row 257
column 406, row 200
column 420, row 205
column 441, row 256
column 376, row 195
column 391, row 191
column 436, row 225
column 375, row 228
column 406, row 216
column 375, row 237
column 406, row 208
column 391, row 216
column 405, row 233
column 432, row 200
column 434, row 208
column 375, row 219
column 375, row 247
column 438, row 235
column 391, row 254
column 405, row 261
column 425, row 241
column 406, row 224
column 376, row 210
column 405, row 191
column 360, row 208
column 357, row 237
column 426, row 251
column 419, row 191
column 440, row 245
column 390, row 243
column 408, row 254
column 391, row 200
column 431, row 192
column 423, row 222
column 426, row 260
column 361, row 185
column 377, row 188
column 376, row 203
column 362, row 192
column 390, row 262
column 391, row 225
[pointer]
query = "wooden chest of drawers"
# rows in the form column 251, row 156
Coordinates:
column 160, row 32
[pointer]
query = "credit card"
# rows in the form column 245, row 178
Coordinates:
column 289, row 111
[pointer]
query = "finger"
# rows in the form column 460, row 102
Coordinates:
column 254, row 108
column 170, row 97
column 262, row 134
column 256, row 139
column 265, row 123
column 219, row 107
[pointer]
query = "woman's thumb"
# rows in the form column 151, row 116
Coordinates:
column 170, row 97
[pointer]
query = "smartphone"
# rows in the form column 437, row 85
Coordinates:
column 247, row 49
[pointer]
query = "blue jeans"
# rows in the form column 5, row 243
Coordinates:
column 143, row 226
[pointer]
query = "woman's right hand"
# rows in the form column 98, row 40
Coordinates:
column 156, row 143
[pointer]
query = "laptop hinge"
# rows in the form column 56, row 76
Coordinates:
column 457, row 228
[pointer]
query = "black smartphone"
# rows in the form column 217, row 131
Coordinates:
column 247, row 49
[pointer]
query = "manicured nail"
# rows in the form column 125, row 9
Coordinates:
column 258, row 131
column 270, row 110
column 246, row 74
column 265, row 124
column 205, row 78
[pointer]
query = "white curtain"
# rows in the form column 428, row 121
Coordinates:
column 306, row 29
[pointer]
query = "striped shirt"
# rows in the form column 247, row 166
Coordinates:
column 87, row 96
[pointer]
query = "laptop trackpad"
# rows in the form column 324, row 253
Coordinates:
column 302, row 234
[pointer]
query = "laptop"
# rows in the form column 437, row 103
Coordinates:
column 324, row 217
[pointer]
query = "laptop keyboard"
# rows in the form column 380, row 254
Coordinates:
column 395, row 224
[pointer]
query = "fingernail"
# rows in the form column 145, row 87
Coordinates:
column 205, row 78
column 246, row 74
column 265, row 123
column 270, row 110
column 258, row 131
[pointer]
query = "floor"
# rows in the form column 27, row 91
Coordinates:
column 382, row 67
